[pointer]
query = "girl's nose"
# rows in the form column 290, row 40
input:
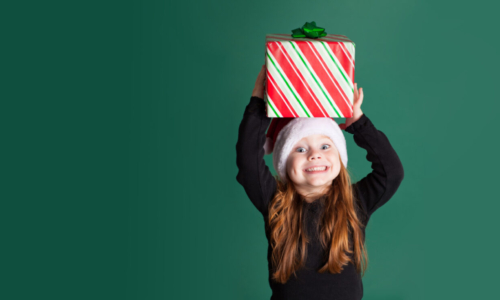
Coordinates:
column 315, row 156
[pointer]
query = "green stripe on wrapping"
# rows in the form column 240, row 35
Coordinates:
column 270, row 105
column 340, row 70
column 282, row 77
column 312, row 75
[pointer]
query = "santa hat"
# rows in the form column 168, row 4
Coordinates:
column 284, row 133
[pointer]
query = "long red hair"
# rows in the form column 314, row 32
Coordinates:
column 289, row 238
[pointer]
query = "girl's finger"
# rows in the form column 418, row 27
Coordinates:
column 360, row 99
column 263, row 72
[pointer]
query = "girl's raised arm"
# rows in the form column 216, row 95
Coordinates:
column 253, row 173
column 379, row 186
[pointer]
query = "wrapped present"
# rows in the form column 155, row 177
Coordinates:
column 309, row 74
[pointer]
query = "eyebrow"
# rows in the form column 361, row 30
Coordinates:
column 321, row 139
column 326, row 138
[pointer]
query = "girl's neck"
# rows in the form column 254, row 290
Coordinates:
column 312, row 198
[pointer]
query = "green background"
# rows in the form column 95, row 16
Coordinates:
column 119, row 125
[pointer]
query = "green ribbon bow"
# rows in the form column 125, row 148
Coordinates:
column 309, row 30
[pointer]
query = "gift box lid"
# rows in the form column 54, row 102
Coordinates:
column 277, row 37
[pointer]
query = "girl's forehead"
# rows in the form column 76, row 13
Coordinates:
column 315, row 137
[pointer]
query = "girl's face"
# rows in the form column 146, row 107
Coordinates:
column 313, row 164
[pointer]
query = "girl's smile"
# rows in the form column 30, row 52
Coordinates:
column 316, row 169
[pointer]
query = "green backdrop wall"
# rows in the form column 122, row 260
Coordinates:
column 119, row 125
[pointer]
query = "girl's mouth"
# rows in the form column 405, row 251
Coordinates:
column 317, row 169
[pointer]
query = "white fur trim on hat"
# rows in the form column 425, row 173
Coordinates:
column 300, row 128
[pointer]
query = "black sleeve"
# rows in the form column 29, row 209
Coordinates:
column 381, row 184
column 253, row 173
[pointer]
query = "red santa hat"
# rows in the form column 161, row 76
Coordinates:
column 284, row 133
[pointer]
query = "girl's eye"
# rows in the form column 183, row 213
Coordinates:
column 299, row 149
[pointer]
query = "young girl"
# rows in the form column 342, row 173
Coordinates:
column 314, row 217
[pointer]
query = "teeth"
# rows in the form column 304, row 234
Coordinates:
column 317, row 169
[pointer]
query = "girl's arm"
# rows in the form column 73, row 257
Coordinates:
column 253, row 174
column 379, row 186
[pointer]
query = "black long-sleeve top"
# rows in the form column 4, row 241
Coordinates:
column 372, row 192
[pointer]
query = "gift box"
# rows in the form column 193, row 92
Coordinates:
column 309, row 77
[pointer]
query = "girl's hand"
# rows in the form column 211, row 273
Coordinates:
column 357, row 113
column 258, row 90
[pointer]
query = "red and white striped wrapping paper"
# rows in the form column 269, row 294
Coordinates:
column 309, row 77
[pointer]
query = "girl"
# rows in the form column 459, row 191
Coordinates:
column 314, row 217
